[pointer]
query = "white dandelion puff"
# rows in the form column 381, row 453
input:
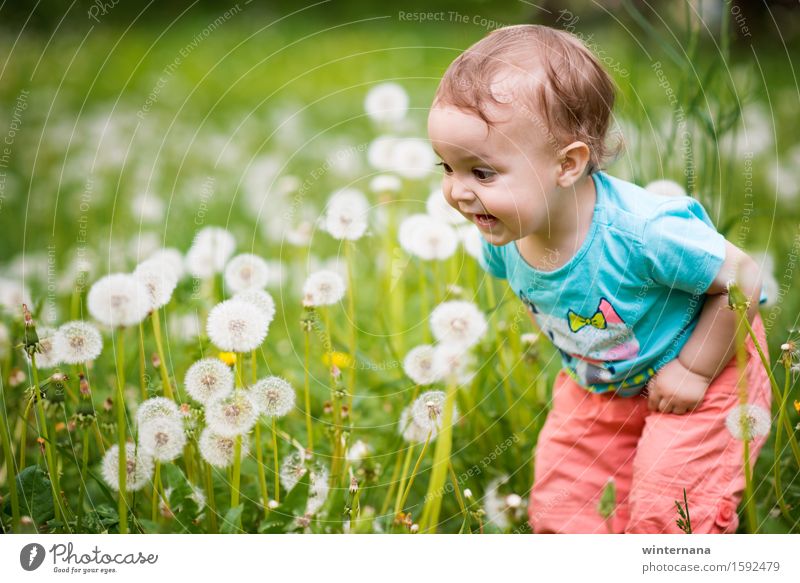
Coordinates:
column 357, row 452
column 139, row 467
column 458, row 322
column 157, row 408
column 747, row 422
column 294, row 468
column 423, row 236
column 418, row 365
column 163, row 438
column 386, row 103
column 48, row 355
column 385, row 183
column 471, row 239
column 454, row 361
column 171, row 257
column 118, row 299
column 665, row 187
column 428, row 410
column 159, row 280
column 237, row 326
column 413, row 158
column 13, row 294
column 234, row 414
column 346, row 214
column 208, row 379
column 438, row 207
column 260, row 299
column 210, row 251
column 410, row 430
column 218, row 450
column 78, row 342
column 245, row 272
column 380, row 153
column 323, row 288
column 274, row 396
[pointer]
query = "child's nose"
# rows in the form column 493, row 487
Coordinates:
column 460, row 192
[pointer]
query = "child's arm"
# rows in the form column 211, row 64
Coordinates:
column 712, row 343
column 680, row 385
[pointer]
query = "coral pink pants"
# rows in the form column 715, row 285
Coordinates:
column 589, row 438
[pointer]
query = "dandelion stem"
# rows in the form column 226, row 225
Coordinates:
column 424, row 300
column 253, row 367
column 776, row 394
column 212, row 500
column 47, row 443
column 402, row 484
column 441, row 458
column 156, row 480
column 24, row 432
column 414, row 471
column 11, row 473
column 119, row 350
column 309, row 428
column 237, row 461
column 776, row 463
column 393, row 483
column 84, row 467
column 155, row 317
column 353, row 328
column 275, row 458
column 741, row 361
column 262, row 478
column 142, row 366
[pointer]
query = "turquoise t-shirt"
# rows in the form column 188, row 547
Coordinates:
column 629, row 299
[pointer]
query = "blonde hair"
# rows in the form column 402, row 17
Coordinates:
column 559, row 75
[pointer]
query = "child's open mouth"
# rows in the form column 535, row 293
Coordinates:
column 485, row 220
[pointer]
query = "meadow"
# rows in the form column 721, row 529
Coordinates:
column 233, row 298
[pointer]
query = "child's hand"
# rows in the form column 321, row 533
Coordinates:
column 676, row 389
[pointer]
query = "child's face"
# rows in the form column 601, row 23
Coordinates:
column 507, row 172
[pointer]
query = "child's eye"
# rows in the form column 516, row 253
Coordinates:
column 447, row 169
column 482, row 173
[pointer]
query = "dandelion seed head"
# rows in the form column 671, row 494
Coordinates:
column 385, row 183
column 163, row 438
column 293, row 469
column 139, row 467
column 454, row 362
column 48, row 355
column 323, row 288
column 410, row 430
column 232, row 415
column 237, row 326
column 210, row 251
column 386, row 103
column 260, row 299
column 458, row 322
column 346, row 215
column 438, row 207
column 171, row 257
column 428, row 410
column 118, row 299
column 208, row 379
column 157, row 408
column 219, row 450
column 78, row 342
column 749, row 421
column 158, row 279
column 429, row 239
column 246, row 272
column 419, row 366
column 273, row 396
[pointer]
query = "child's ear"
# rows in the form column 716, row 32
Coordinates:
column 574, row 158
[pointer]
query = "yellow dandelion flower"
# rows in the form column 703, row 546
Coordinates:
column 797, row 406
column 228, row 358
column 339, row 359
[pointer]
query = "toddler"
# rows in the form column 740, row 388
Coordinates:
column 630, row 286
